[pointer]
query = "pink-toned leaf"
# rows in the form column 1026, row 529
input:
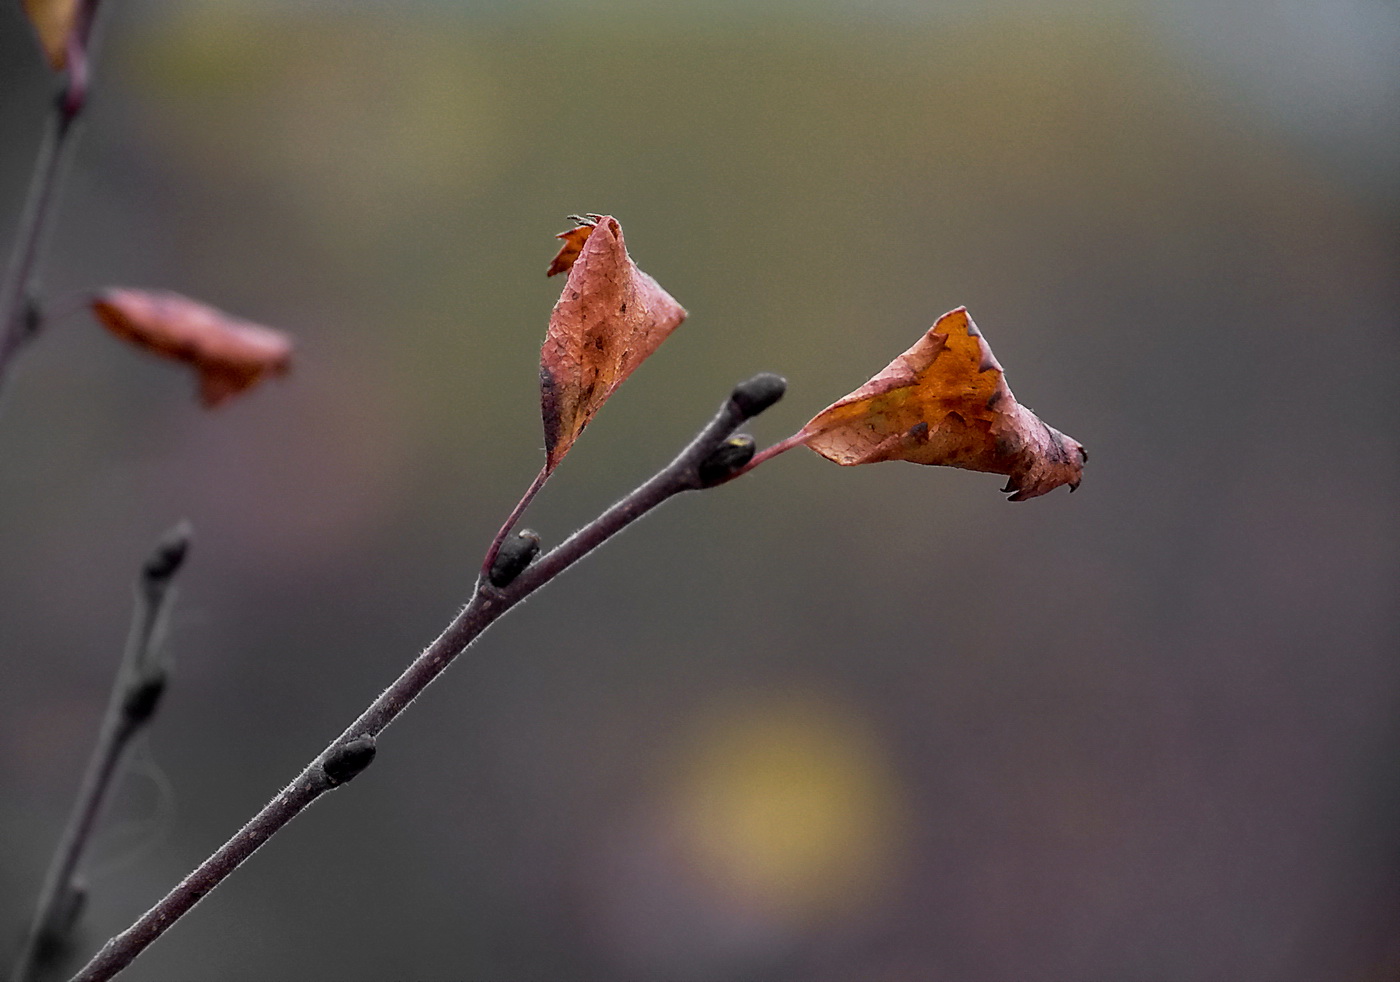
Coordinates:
column 609, row 318
column 230, row 355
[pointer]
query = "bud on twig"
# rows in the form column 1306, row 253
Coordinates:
column 169, row 554
column 346, row 761
column 143, row 697
column 758, row 393
column 729, row 457
column 516, row 552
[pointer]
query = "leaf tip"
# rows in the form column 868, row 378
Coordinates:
column 574, row 240
column 56, row 22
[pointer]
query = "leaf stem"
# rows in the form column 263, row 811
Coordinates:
column 486, row 605
column 514, row 517
column 130, row 707
column 768, row 453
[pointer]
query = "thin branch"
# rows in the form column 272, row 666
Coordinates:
column 19, row 314
column 18, row 317
column 514, row 517
column 135, row 694
column 352, row 750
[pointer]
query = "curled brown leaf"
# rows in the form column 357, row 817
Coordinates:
column 946, row 401
column 229, row 354
column 609, row 318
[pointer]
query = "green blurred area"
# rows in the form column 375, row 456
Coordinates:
column 869, row 723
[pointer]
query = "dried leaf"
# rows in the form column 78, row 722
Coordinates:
column 574, row 239
column 54, row 21
column 610, row 316
column 946, row 401
column 229, row 354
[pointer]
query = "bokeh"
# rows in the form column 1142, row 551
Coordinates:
column 821, row 723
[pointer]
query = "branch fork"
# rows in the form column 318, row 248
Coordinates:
column 707, row 461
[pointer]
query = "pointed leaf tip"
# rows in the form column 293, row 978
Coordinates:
column 573, row 239
column 230, row 355
column 609, row 318
column 946, row 401
column 55, row 22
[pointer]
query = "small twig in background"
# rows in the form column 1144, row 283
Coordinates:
column 136, row 693
column 20, row 316
column 710, row 459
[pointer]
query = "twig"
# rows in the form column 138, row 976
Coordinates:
column 349, row 753
column 19, row 314
column 135, row 695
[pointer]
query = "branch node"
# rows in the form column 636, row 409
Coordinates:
column 31, row 317
column 348, row 759
column 515, row 553
column 143, row 697
column 726, row 460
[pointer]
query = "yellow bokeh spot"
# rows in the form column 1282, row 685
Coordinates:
column 790, row 806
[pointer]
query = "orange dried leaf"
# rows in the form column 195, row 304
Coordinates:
column 230, row 354
column 574, row 239
column 54, row 21
column 946, row 401
column 609, row 318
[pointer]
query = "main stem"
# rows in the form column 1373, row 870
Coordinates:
column 486, row 605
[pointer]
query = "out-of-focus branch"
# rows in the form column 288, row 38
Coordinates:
column 20, row 317
column 709, row 460
column 136, row 693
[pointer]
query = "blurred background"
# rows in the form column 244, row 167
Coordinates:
column 822, row 723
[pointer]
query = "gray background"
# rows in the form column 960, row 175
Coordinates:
column 823, row 723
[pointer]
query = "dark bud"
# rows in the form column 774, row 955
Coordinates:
column 758, row 393
column 169, row 555
column 728, row 457
column 516, row 552
column 347, row 760
column 33, row 317
column 143, row 697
